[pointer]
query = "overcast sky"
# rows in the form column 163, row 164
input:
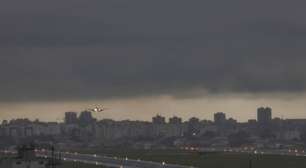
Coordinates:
column 168, row 52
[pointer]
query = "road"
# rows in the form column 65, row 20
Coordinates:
column 287, row 152
column 112, row 162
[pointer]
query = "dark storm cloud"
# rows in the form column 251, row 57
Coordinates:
column 73, row 49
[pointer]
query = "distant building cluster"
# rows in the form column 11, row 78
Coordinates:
column 83, row 130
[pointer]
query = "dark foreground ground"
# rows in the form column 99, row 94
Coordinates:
column 5, row 161
column 78, row 165
column 211, row 160
column 201, row 160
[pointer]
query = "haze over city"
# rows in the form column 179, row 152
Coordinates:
column 241, row 108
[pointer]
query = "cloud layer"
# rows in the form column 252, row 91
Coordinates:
column 74, row 49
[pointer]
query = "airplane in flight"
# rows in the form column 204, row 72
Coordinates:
column 97, row 109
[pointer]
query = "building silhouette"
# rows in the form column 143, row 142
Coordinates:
column 219, row 118
column 158, row 120
column 264, row 115
column 175, row 120
column 71, row 118
column 86, row 118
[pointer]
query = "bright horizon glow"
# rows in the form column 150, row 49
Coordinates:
column 240, row 106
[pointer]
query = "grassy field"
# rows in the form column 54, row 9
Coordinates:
column 211, row 160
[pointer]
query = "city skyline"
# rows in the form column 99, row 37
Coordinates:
column 211, row 116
